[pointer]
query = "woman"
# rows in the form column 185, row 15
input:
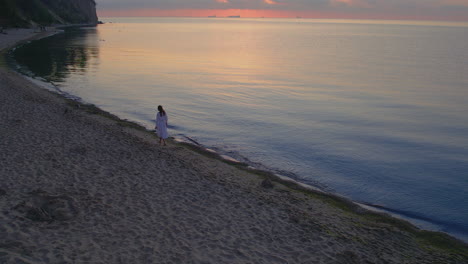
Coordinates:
column 161, row 125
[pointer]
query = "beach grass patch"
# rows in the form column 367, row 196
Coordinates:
column 90, row 109
column 94, row 110
column 334, row 200
column 3, row 59
column 130, row 124
column 429, row 240
column 442, row 241
column 204, row 152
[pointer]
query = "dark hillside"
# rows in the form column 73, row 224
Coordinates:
column 23, row 13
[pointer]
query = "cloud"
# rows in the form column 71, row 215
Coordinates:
column 205, row 4
column 296, row 4
column 270, row 2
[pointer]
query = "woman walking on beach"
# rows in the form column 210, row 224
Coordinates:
column 161, row 125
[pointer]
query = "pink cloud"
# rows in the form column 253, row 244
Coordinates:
column 453, row 10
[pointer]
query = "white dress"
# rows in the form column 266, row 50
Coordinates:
column 161, row 124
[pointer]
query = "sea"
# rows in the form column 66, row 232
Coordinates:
column 374, row 111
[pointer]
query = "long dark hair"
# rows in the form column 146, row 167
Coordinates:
column 161, row 110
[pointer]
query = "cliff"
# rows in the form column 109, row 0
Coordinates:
column 23, row 13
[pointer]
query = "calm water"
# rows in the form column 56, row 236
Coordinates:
column 376, row 112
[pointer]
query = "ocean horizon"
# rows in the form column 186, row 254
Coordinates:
column 372, row 111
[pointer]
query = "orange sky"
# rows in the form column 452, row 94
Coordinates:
column 454, row 10
column 269, row 13
column 209, row 12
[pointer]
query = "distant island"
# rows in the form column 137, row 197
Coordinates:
column 234, row 16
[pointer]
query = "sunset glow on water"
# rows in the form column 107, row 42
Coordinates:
column 371, row 110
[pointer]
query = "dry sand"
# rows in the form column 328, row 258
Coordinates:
column 79, row 187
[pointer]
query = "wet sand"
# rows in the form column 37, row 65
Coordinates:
column 81, row 186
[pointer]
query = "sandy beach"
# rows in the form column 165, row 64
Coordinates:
column 78, row 185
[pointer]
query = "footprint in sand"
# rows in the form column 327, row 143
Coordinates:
column 41, row 206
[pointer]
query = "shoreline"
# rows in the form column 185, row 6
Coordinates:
column 418, row 220
column 110, row 152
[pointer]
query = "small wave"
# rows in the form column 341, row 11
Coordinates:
column 187, row 139
column 419, row 220
column 235, row 157
column 231, row 159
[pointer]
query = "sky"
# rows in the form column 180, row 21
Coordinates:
column 451, row 10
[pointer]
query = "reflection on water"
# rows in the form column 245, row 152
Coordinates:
column 56, row 57
column 375, row 112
